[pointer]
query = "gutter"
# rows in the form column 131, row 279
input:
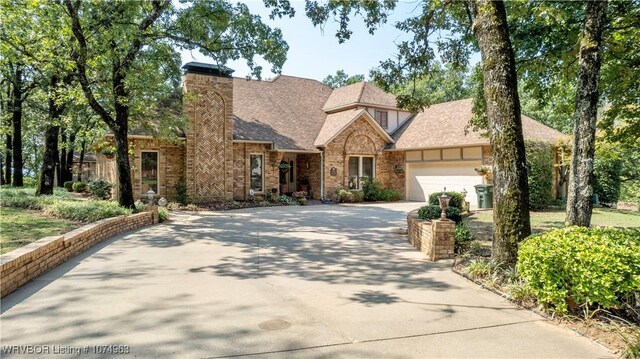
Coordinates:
column 322, row 175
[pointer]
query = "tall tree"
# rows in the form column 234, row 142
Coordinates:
column 467, row 24
column 579, row 203
column 128, row 45
column 341, row 79
column 511, row 192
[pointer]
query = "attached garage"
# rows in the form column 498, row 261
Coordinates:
column 431, row 171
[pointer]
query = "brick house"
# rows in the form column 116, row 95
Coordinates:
column 255, row 137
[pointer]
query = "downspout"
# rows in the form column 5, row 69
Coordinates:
column 322, row 175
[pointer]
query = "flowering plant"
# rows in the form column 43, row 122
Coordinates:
column 299, row 194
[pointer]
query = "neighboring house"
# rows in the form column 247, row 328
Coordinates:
column 241, row 132
column 88, row 168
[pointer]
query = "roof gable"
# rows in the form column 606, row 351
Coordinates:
column 336, row 123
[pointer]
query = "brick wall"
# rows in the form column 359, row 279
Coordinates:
column 209, row 148
column 26, row 263
column 170, row 166
column 385, row 171
column 360, row 138
column 312, row 174
column 433, row 238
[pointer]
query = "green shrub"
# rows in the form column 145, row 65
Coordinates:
column 287, row 200
column 181, row 192
column 163, row 214
column 455, row 201
column 521, row 292
column 479, row 268
column 86, row 211
column 139, row 206
column 607, row 168
column 540, row 174
column 431, row 212
column 372, row 191
column 100, row 189
column 462, row 237
column 581, row 266
column 68, row 185
column 79, row 187
column 347, row 196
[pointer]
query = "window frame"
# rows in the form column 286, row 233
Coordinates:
column 142, row 152
column 261, row 172
column 379, row 120
column 359, row 176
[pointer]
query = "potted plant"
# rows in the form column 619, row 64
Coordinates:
column 284, row 167
column 304, row 185
column 301, row 196
column 109, row 152
column 486, row 172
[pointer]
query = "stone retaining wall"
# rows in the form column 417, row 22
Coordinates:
column 26, row 263
column 433, row 238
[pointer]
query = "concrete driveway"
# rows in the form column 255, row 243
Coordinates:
column 316, row 281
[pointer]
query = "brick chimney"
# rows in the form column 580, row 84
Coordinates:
column 208, row 106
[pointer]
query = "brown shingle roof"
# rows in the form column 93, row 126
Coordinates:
column 443, row 125
column 286, row 110
column 361, row 93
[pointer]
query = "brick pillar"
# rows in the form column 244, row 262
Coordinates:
column 442, row 239
column 209, row 145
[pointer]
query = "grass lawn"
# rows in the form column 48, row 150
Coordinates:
column 481, row 222
column 19, row 227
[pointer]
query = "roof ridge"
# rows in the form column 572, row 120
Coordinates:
column 364, row 84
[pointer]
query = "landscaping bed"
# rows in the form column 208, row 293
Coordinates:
column 583, row 278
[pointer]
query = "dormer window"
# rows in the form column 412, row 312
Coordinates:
column 382, row 119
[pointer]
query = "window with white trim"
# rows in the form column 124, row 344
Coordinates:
column 257, row 172
column 382, row 118
column 359, row 168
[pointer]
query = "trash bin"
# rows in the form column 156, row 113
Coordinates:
column 485, row 195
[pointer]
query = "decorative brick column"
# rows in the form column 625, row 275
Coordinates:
column 209, row 146
column 435, row 239
column 442, row 239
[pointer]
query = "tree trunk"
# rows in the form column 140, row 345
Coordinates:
column 125, row 190
column 62, row 161
column 511, row 191
column 47, row 173
column 81, row 163
column 16, row 123
column 68, row 174
column 579, row 199
column 7, row 164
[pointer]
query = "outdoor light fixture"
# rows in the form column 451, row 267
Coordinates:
column 444, row 204
column 150, row 195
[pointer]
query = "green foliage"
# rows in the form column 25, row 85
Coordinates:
column 607, row 169
column 286, row 200
column 581, row 266
column 139, row 206
column 163, row 214
column 431, row 212
column 100, row 189
column 341, row 79
column 78, row 187
column 86, row 211
column 181, row 192
column 455, row 201
column 540, row 174
column 68, row 185
column 479, row 268
column 462, row 237
column 521, row 292
column 347, row 196
column 372, row 191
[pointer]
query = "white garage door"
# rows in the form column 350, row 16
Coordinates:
column 426, row 178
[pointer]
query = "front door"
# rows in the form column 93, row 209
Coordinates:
column 288, row 179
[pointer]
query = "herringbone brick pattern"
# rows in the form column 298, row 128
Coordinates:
column 210, row 146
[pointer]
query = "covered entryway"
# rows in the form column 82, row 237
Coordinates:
column 426, row 178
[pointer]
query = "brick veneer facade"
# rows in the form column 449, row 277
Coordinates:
column 433, row 238
column 171, row 166
column 209, row 146
column 26, row 263
column 360, row 139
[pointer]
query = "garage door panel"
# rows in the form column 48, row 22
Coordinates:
column 425, row 179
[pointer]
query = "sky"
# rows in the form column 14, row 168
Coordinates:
column 315, row 53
